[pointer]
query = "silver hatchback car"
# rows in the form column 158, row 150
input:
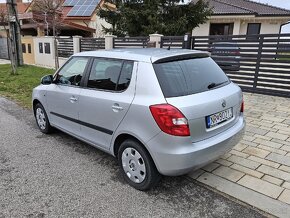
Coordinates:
column 160, row 112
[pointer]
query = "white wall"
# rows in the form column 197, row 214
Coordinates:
column 268, row 26
column 43, row 59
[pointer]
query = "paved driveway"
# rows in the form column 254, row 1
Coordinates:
column 59, row 176
column 257, row 170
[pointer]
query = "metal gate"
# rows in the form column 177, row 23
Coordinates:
column 4, row 54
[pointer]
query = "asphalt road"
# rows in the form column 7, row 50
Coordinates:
column 59, row 176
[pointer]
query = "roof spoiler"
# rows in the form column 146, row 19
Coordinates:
column 182, row 57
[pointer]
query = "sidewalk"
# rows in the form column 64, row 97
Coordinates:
column 3, row 61
column 257, row 170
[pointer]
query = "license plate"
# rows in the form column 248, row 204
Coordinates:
column 218, row 118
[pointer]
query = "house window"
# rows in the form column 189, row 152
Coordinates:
column 29, row 48
column 40, row 45
column 254, row 28
column 23, row 48
column 47, row 48
column 221, row 29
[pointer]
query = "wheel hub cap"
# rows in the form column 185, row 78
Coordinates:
column 40, row 118
column 133, row 165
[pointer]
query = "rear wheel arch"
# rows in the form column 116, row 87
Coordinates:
column 123, row 137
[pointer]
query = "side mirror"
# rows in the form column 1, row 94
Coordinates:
column 47, row 80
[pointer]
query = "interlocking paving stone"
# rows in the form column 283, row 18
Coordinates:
column 268, row 143
column 210, row 167
column 263, row 161
column 247, row 170
column 245, row 162
column 274, row 172
column 281, row 142
column 279, row 159
column 273, row 180
column 224, row 162
column 286, row 185
column 285, row 168
column 285, row 196
column 256, row 130
column 256, row 152
column 277, row 135
column 260, row 201
column 195, row 174
column 238, row 153
column 275, row 150
column 240, row 147
column 253, row 144
column 261, row 186
column 286, row 148
column 228, row 173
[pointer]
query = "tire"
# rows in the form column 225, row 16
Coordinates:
column 137, row 166
column 42, row 119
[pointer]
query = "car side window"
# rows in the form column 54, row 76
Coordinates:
column 108, row 74
column 72, row 72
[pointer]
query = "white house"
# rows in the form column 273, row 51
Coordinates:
column 242, row 17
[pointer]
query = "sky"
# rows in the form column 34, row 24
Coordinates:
column 279, row 3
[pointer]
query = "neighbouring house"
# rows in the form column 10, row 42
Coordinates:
column 77, row 18
column 21, row 8
column 242, row 17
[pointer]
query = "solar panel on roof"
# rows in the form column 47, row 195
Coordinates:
column 81, row 8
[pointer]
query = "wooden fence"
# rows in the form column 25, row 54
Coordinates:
column 65, row 47
column 131, row 42
column 92, row 44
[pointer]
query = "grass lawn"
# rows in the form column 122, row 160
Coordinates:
column 19, row 87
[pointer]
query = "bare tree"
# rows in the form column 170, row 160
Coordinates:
column 49, row 12
column 4, row 19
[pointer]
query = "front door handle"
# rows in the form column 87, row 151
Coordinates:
column 73, row 99
column 117, row 108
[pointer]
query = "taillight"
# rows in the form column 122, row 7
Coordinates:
column 170, row 120
column 242, row 107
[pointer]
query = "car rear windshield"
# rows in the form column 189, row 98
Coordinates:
column 190, row 76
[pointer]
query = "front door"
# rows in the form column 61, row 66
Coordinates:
column 106, row 99
column 63, row 95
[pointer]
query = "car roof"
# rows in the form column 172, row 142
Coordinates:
column 149, row 55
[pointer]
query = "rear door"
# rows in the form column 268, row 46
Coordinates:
column 202, row 92
column 106, row 99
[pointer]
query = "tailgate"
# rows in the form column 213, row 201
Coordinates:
column 199, row 107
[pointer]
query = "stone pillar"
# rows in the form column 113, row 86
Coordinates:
column 156, row 38
column 77, row 44
column 109, row 41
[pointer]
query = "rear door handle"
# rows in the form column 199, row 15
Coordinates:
column 73, row 99
column 117, row 108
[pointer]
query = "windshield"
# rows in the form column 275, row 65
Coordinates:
column 190, row 76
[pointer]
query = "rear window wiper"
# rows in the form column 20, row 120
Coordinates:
column 213, row 85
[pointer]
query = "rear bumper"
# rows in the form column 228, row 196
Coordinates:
column 175, row 156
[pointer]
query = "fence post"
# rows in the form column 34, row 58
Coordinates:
column 259, row 56
column 193, row 43
column 77, row 44
column 156, row 38
column 187, row 41
column 109, row 41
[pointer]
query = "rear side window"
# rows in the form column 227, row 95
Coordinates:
column 190, row 76
column 112, row 75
